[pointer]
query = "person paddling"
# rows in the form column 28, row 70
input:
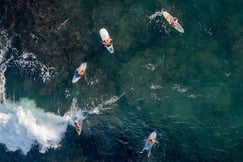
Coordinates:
column 150, row 141
column 77, row 126
column 79, row 73
column 174, row 22
column 107, row 42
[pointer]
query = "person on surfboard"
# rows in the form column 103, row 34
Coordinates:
column 174, row 22
column 107, row 42
column 148, row 145
column 79, row 73
column 77, row 126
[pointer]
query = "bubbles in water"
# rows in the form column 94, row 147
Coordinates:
column 28, row 64
column 179, row 88
column 150, row 66
column 47, row 73
column 153, row 87
column 159, row 24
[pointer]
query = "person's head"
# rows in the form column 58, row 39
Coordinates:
column 152, row 140
column 81, row 73
column 107, row 41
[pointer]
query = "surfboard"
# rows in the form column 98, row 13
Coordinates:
column 150, row 141
column 169, row 18
column 76, row 75
column 153, row 135
column 104, row 36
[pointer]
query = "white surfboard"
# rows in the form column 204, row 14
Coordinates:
column 169, row 18
column 104, row 36
column 150, row 141
column 76, row 75
column 153, row 135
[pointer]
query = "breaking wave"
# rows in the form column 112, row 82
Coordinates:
column 23, row 125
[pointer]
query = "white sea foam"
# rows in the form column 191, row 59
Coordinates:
column 153, row 87
column 79, row 114
column 157, row 13
column 30, row 65
column 158, row 21
column 2, row 84
column 150, row 66
column 179, row 88
column 4, row 47
column 105, row 105
column 23, row 125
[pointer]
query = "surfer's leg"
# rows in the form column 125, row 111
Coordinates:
column 142, row 151
column 149, row 153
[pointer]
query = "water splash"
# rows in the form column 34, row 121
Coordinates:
column 74, row 113
column 23, row 125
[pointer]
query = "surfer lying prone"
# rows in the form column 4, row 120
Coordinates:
column 107, row 42
column 150, row 141
column 77, row 126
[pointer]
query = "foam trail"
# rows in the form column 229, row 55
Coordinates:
column 4, row 48
column 23, row 125
column 2, row 84
column 76, row 113
column 105, row 104
column 157, row 13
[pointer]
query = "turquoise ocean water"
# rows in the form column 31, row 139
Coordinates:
column 188, row 87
